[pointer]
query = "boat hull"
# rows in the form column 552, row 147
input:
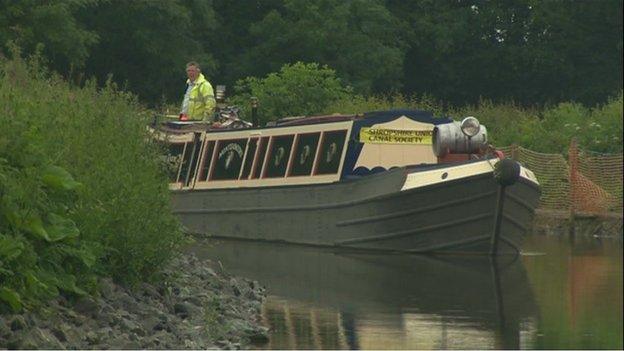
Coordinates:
column 375, row 212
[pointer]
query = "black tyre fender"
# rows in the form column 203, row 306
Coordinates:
column 507, row 172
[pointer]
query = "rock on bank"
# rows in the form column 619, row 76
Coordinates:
column 195, row 305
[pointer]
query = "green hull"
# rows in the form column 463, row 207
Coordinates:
column 369, row 213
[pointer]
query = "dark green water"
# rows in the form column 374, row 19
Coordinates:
column 561, row 293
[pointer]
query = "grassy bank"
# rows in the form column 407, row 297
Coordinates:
column 82, row 191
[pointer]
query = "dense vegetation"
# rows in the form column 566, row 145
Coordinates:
column 82, row 192
column 302, row 89
column 548, row 129
column 531, row 52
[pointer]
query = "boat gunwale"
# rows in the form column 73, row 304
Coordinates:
column 381, row 197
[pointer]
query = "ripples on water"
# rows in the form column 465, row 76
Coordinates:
column 560, row 293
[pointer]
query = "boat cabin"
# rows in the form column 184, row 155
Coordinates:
column 296, row 151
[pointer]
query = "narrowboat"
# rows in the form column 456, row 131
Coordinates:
column 399, row 181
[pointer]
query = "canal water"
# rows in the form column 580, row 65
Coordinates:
column 562, row 293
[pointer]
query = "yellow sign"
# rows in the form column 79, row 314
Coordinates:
column 395, row 136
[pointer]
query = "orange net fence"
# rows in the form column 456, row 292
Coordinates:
column 585, row 182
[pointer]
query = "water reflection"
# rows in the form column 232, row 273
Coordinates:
column 578, row 288
column 339, row 300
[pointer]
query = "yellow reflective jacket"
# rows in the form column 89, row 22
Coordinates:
column 201, row 101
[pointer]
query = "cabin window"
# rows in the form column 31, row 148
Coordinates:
column 277, row 160
column 259, row 160
column 175, row 160
column 229, row 159
column 304, row 152
column 331, row 150
column 206, row 162
column 249, row 158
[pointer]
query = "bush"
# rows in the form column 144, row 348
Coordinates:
column 603, row 130
column 551, row 129
column 122, row 218
column 361, row 104
column 41, row 251
column 296, row 90
column 506, row 123
column 547, row 130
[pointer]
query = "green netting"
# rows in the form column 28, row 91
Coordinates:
column 600, row 187
column 552, row 172
column 588, row 182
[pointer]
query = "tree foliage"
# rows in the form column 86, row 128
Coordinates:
column 460, row 51
column 360, row 39
column 144, row 45
column 527, row 51
column 67, row 43
column 296, row 90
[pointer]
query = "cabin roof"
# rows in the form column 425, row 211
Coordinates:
column 302, row 120
column 418, row 115
column 178, row 127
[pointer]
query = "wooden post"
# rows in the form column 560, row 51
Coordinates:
column 514, row 152
column 573, row 180
column 254, row 111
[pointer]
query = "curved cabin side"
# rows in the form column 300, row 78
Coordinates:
column 326, row 149
column 386, row 139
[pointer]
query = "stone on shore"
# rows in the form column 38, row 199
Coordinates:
column 191, row 307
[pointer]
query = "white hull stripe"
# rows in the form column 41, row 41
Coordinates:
column 447, row 174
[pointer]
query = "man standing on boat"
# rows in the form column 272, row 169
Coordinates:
column 199, row 101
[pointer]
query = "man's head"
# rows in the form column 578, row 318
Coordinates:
column 192, row 70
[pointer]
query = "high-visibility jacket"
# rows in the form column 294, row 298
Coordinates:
column 201, row 100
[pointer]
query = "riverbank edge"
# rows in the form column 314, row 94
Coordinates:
column 562, row 223
column 195, row 304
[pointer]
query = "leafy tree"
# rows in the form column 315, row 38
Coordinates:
column 66, row 41
column 523, row 50
column 463, row 50
column 577, row 49
column 147, row 43
column 232, row 39
column 459, row 51
column 359, row 38
column 297, row 89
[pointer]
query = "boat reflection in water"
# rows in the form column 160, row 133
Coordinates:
column 326, row 299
